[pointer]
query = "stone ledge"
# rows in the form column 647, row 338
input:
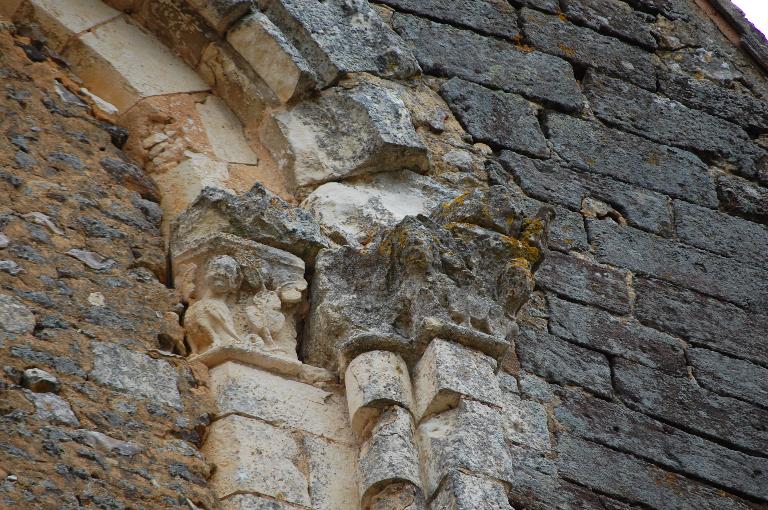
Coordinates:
column 254, row 356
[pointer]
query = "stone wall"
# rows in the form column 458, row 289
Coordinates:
column 426, row 254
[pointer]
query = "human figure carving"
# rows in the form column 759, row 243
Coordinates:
column 209, row 322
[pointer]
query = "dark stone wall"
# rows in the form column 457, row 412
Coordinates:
column 646, row 342
column 111, row 422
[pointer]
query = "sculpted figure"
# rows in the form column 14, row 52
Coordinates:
column 272, row 317
column 209, row 320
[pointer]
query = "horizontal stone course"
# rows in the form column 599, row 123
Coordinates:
column 743, row 198
column 664, row 120
column 619, row 336
column 497, row 118
column 740, row 108
column 562, row 362
column 554, row 183
column 671, row 261
column 585, row 281
column 699, row 319
column 494, row 17
column 632, row 159
column 446, row 51
column 614, row 425
column 720, row 233
column 682, row 402
column 611, row 472
column 585, row 47
column 730, row 376
column 614, row 17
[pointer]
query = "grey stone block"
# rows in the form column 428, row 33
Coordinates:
column 461, row 491
column 561, row 362
column 671, row 261
column 729, row 376
column 666, row 121
column 681, row 402
column 585, row 47
column 135, row 373
column 613, row 17
column 446, row 51
column 720, row 233
column 614, row 425
column 496, row 118
column 743, row 109
column 586, row 282
column 493, row 17
column 618, row 336
column 742, row 197
column 699, row 319
column 553, row 183
column 632, row 159
column 637, row 481
column 344, row 36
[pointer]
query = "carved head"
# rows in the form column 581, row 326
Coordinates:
column 222, row 275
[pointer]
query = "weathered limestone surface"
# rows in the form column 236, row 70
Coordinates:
column 376, row 380
column 618, row 427
column 613, row 17
column 496, row 64
column 466, row 492
column 496, row 118
column 447, row 372
column 355, row 210
column 494, row 17
column 669, row 122
column 345, row 36
column 249, row 391
column 345, row 132
column 120, row 53
column 267, row 464
column 632, row 159
column 586, row 47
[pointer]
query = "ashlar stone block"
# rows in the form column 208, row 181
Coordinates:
column 61, row 19
column 466, row 492
column 389, row 454
column 332, row 477
column 252, row 456
column 374, row 380
column 246, row 390
column 225, row 132
column 447, row 371
column 273, row 57
column 122, row 64
column 344, row 132
column 468, row 438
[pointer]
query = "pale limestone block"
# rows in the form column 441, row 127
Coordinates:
column 467, row 438
column 234, row 81
column 272, row 56
column 525, row 422
column 332, row 477
column 375, row 380
column 181, row 185
column 365, row 128
column 52, row 408
column 253, row 456
column 354, row 211
column 389, row 454
column 398, row 496
column 220, row 14
column 447, row 371
column 254, row 502
column 61, row 19
column 224, row 132
column 466, row 492
column 122, row 64
column 247, row 390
